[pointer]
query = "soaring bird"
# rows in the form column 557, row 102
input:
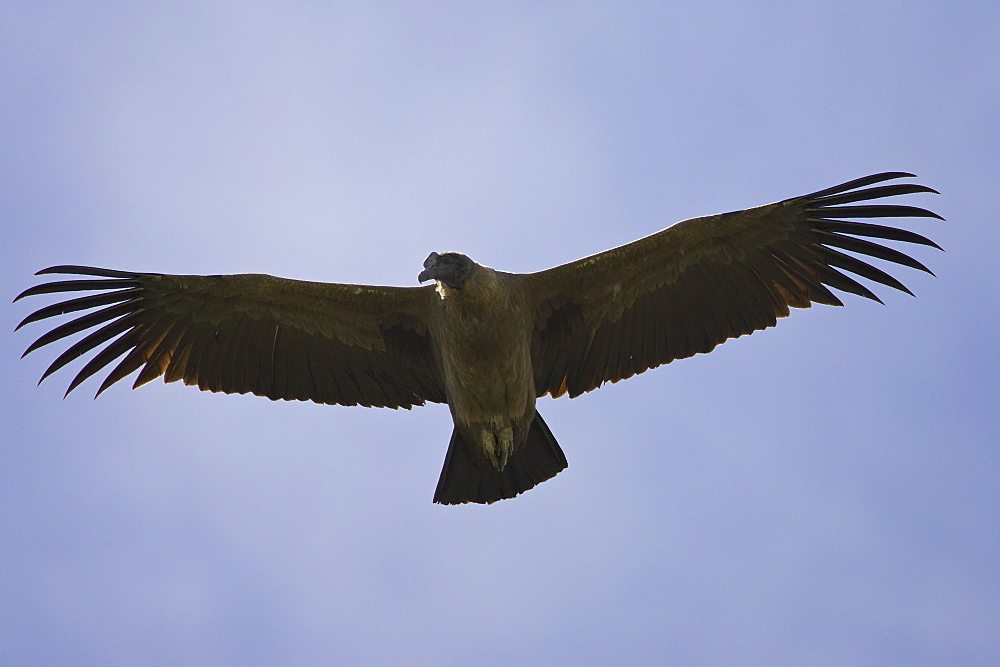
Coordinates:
column 486, row 342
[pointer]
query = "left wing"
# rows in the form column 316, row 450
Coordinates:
column 273, row 337
column 700, row 282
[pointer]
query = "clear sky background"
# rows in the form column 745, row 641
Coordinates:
column 825, row 492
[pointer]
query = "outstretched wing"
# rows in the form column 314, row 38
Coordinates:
column 700, row 282
column 284, row 339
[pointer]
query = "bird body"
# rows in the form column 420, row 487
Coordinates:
column 486, row 342
column 481, row 324
column 484, row 334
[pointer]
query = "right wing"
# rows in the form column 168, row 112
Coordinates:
column 249, row 333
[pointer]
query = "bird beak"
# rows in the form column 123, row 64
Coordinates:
column 425, row 275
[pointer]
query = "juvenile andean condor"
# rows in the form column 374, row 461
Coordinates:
column 486, row 342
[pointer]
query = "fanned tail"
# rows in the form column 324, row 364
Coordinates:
column 467, row 478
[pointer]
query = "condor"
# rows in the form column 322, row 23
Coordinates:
column 486, row 342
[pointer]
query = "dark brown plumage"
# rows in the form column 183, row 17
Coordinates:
column 486, row 342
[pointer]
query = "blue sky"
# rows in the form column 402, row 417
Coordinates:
column 825, row 492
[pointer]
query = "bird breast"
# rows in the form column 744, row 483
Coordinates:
column 484, row 342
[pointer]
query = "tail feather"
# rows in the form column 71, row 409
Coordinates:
column 467, row 478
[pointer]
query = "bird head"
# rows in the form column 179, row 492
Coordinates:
column 451, row 269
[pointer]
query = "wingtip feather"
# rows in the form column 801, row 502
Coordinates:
column 72, row 269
